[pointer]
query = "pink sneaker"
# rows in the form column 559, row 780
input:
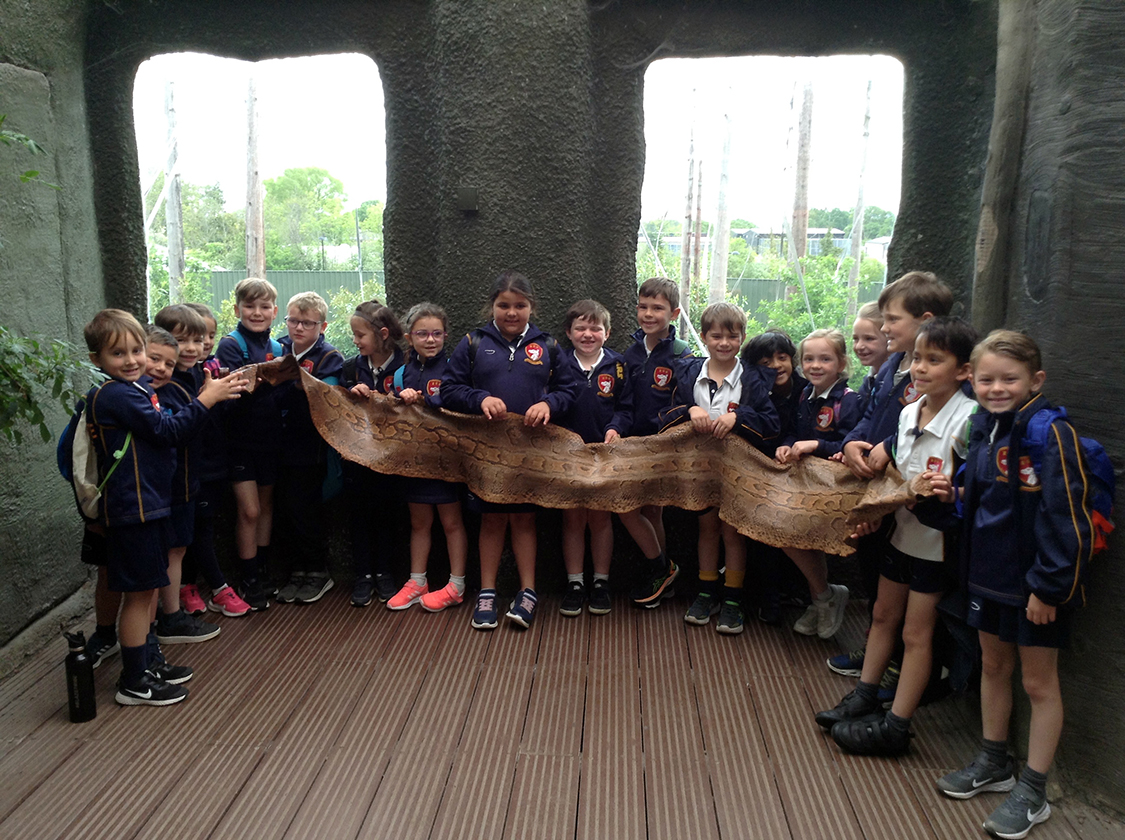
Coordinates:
column 227, row 602
column 191, row 601
column 409, row 594
column 447, row 596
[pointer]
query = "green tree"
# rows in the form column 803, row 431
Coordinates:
column 303, row 212
column 877, row 222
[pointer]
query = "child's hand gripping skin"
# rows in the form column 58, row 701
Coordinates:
column 877, row 459
column 410, row 396
column 942, row 485
column 493, row 408
column 794, row 453
column 229, row 387
column 865, row 528
column 855, row 457
column 538, row 415
column 361, row 390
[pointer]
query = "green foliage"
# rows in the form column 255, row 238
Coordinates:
column 15, row 138
column 303, row 212
column 877, row 222
column 195, row 285
column 34, row 371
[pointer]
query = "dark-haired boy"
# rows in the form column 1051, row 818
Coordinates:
column 253, row 432
column 931, row 440
column 124, row 415
column 304, row 454
column 649, row 381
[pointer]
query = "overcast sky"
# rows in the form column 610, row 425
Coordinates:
column 327, row 111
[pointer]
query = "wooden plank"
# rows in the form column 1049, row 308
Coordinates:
column 27, row 766
column 544, row 798
column 678, row 796
column 747, row 801
column 558, row 698
column 611, row 799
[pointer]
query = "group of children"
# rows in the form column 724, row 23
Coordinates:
column 916, row 409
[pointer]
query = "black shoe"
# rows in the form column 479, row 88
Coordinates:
column 149, row 690
column 730, row 621
column 171, row 674
column 385, row 587
column 650, row 592
column 101, row 647
column 852, row 707
column 363, row 590
column 871, row 736
column 572, row 600
column 769, row 612
column 252, row 593
column 600, row 601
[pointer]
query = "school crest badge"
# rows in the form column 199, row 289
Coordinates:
column 1027, row 472
column 307, row 365
column 824, row 417
column 534, row 353
column 732, row 406
column 661, row 377
column 1002, row 460
column 389, row 384
column 605, row 384
column 911, row 394
column 432, row 387
column 269, row 357
column 155, row 402
column 934, row 464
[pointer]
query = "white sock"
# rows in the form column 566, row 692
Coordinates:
column 825, row 595
column 419, row 578
column 458, row 582
column 600, row 576
column 575, row 578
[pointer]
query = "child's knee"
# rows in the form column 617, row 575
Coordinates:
column 1041, row 686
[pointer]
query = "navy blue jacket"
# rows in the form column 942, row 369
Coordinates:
column 756, row 417
column 520, row 374
column 866, row 389
column 301, row 443
column 174, row 397
column 826, row 420
column 254, row 421
column 786, row 405
column 599, row 391
column 650, row 379
column 213, row 463
column 880, row 418
column 1032, row 536
column 357, row 371
column 424, row 375
column 140, row 489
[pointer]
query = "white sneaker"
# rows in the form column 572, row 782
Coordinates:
column 807, row 624
column 830, row 613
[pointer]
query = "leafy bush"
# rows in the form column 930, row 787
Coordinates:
column 35, row 369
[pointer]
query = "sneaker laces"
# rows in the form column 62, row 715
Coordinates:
column 527, row 603
column 485, row 603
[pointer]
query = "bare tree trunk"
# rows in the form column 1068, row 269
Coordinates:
column 801, row 197
column 1015, row 39
column 255, row 220
column 685, row 243
column 696, row 255
column 721, row 235
column 857, row 217
column 173, row 212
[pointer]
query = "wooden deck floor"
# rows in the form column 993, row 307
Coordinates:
column 333, row 722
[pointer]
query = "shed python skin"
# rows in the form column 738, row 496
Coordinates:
column 812, row 504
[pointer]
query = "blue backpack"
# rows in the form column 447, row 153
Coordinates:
column 275, row 346
column 1099, row 467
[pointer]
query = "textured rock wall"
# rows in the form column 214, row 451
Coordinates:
column 1065, row 289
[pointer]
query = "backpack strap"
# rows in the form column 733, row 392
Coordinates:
column 1035, row 436
column 241, row 339
column 474, row 343
column 679, row 346
column 350, row 366
column 399, row 378
column 275, row 348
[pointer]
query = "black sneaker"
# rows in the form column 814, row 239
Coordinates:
column 852, row 707
column 769, row 610
column 702, row 608
column 252, row 593
column 101, row 647
column 268, row 586
column 149, row 690
column 171, row 674
column 385, row 587
column 649, row 593
column 600, row 601
column 179, row 628
column 871, row 736
column 981, row 776
column 363, row 590
column 288, row 593
column 572, row 600
column 730, row 621
column 314, row 587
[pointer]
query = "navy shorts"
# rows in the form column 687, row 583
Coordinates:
column 183, row 524
column 479, row 505
column 251, row 465
column 1011, row 625
column 138, row 556
column 925, row 576
column 431, row 491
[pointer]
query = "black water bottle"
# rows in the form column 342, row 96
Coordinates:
column 80, row 680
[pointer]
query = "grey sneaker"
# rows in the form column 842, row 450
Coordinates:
column 830, row 613
column 730, row 621
column 702, row 608
column 288, row 593
column 981, row 776
column 1017, row 814
column 179, row 628
column 315, row 585
column 809, row 621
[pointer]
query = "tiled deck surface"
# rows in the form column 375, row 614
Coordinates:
column 333, row 722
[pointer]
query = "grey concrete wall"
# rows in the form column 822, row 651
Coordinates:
column 1065, row 289
column 50, row 279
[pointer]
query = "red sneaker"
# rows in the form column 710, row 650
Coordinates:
column 227, row 602
column 191, row 600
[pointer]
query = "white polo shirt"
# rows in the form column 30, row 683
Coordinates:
column 930, row 450
column 718, row 397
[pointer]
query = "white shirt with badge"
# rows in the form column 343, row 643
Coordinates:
column 718, row 398
column 930, row 450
